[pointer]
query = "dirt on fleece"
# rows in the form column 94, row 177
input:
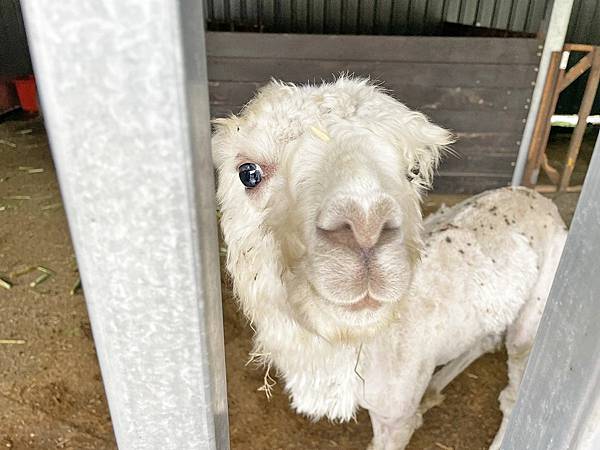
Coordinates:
column 51, row 392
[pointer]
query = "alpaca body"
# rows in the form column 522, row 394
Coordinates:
column 355, row 301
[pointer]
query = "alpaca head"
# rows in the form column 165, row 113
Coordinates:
column 319, row 189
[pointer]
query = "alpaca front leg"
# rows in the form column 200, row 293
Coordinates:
column 519, row 340
column 393, row 433
column 508, row 397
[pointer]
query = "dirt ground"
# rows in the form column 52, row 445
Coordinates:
column 51, row 394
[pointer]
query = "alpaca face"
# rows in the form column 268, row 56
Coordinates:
column 319, row 190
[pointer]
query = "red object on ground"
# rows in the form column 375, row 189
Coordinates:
column 27, row 93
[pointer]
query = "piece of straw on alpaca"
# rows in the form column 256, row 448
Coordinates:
column 354, row 298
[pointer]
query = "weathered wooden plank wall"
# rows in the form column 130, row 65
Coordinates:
column 477, row 87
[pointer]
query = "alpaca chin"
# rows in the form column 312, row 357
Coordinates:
column 345, row 324
column 365, row 325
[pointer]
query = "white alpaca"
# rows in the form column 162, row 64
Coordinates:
column 354, row 300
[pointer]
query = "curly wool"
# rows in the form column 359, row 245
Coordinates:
column 472, row 269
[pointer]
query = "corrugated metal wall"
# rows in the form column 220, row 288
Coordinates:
column 585, row 22
column 14, row 53
column 405, row 17
column 584, row 28
column 400, row 17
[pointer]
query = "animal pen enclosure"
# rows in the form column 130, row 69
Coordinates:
column 160, row 344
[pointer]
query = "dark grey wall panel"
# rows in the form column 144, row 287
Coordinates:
column 465, row 121
column 478, row 87
column 480, row 162
column 424, row 98
column 468, row 183
column 372, row 48
column 501, row 143
column 421, row 74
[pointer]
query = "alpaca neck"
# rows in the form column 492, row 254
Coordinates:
column 320, row 376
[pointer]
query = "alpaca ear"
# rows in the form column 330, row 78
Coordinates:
column 423, row 144
column 222, row 128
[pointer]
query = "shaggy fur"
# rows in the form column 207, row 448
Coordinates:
column 354, row 300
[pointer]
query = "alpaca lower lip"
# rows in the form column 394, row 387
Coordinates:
column 365, row 303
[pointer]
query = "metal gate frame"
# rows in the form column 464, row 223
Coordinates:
column 125, row 100
column 124, row 93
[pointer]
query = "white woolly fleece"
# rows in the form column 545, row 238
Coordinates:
column 469, row 273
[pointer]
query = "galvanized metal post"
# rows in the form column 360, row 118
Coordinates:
column 554, row 41
column 590, row 430
column 124, row 92
column 559, row 399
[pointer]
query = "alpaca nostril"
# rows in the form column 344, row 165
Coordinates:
column 332, row 228
column 340, row 233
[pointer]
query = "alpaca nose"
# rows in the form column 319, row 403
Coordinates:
column 358, row 221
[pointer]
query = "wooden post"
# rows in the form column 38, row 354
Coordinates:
column 556, row 82
column 558, row 22
column 542, row 124
column 584, row 111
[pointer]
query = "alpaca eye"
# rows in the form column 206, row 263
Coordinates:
column 250, row 175
column 413, row 173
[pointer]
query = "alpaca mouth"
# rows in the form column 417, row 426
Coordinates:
column 367, row 303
